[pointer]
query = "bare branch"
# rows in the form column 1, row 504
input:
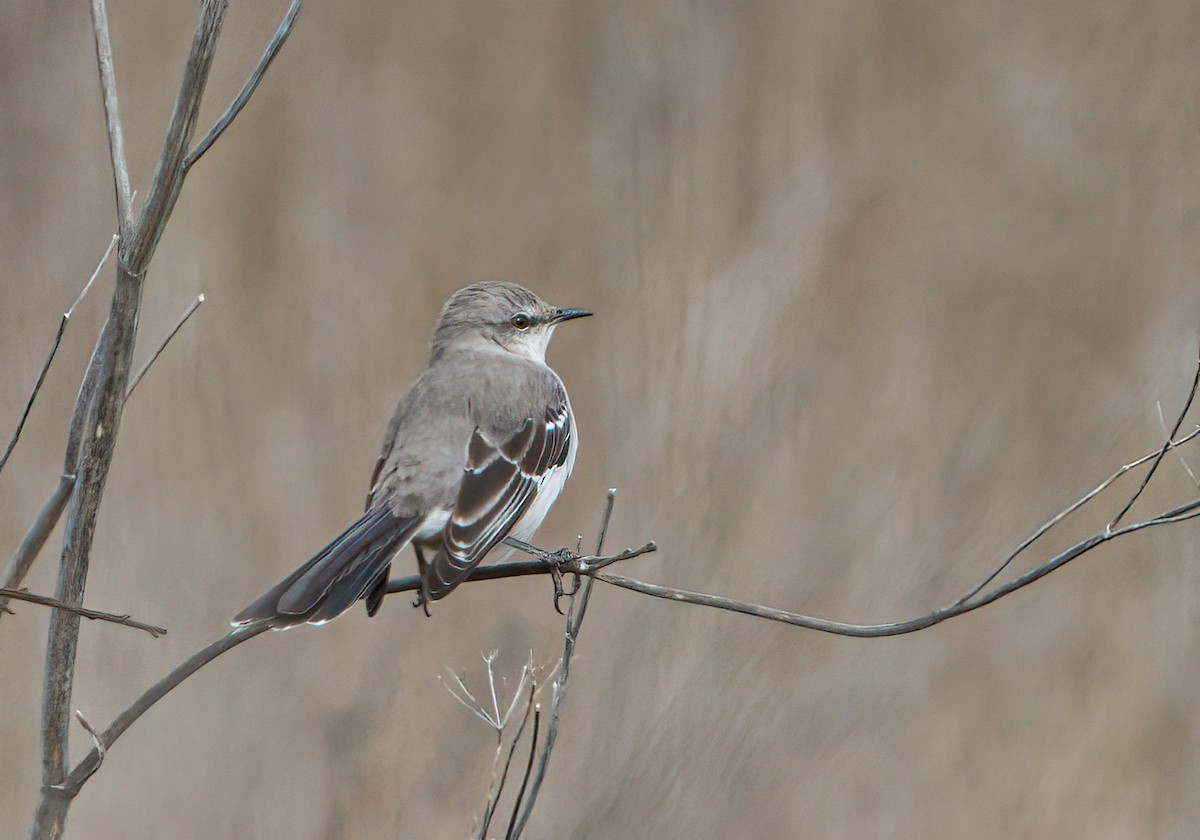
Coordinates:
column 100, row 428
column 99, row 408
column 29, row 597
column 58, row 336
column 187, row 313
column 91, row 762
column 579, row 605
column 235, row 108
column 39, row 532
column 1162, row 421
column 1185, row 512
column 170, row 174
column 499, row 723
column 566, row 562
column 497, row 788
column 112, row 119
column 1071, row 508
column 537, row 722
column 1162, row 452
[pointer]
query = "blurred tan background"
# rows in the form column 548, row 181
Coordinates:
column 879, row 286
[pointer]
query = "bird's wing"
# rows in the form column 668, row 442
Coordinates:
column 498, row 485
column 340, row 574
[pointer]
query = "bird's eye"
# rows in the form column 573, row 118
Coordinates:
column 521, row 321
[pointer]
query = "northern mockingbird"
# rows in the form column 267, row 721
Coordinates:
column 479, row 449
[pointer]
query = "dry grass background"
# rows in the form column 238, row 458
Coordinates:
column 879, row 287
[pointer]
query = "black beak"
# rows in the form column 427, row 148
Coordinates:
column 561, row 315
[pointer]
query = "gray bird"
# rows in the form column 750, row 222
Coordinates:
column 479, row 449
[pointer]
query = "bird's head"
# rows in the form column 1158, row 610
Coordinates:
column 504, row 314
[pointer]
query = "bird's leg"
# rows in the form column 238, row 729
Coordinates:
column 555, row 560
column 422, row 599
column 557, row 578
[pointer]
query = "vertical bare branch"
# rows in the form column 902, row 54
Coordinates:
column 102, row 418
column 500, row 773
column 170, row 173
column 101, row 399
column 112, row 119
column 575, row 615
column 533, row 741
column 99, row 437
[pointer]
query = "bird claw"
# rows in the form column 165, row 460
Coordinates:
column 422, row 599
column 556, row 561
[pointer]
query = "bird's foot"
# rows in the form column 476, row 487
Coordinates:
column 422, row 599
column 556, row 561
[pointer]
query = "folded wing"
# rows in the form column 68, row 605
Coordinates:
column 499, row 484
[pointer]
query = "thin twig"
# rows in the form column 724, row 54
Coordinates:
column 1162, row 421
column 58, row 336
column 513, row 831
column 1068, row 510
column 29, row 597
column 187, row 313
column 579, row 605
column 466, row 698
column 1162, row 452
column 235, row 108
column 87, row 727
column 112, row 119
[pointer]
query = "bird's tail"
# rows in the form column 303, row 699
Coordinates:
column 349, row 568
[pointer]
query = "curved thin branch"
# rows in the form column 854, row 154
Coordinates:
column 1191, row 510
column 1171, row 443
column 42, row 600
column 91, row 762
